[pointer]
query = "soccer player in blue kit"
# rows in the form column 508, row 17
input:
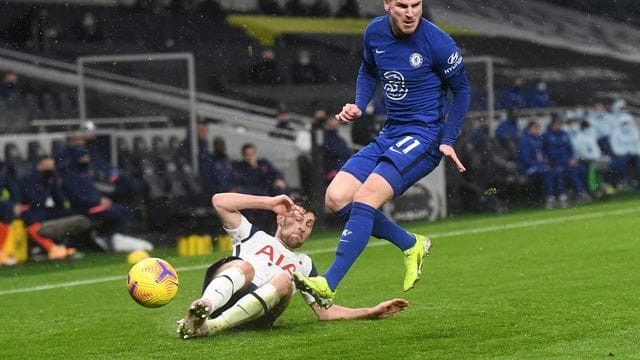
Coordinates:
column 416, row 63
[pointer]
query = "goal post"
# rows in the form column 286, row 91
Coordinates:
column 147, row 90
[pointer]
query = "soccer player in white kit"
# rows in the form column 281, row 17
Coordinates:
column 254, row 285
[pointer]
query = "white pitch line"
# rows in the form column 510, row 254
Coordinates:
column 479, row 230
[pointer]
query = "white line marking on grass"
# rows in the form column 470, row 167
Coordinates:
column 479, row 230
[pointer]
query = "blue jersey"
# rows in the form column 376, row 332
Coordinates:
column 415, row 72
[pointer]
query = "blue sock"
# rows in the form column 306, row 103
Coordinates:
column 384, row 228
column 355, row 237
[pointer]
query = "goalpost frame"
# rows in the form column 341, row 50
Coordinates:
column 188, row 57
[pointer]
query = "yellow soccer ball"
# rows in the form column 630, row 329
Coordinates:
column 152, row 282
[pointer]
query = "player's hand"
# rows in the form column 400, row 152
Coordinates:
column 282, row 204
column 388, row 308
column 449, row 152
column 349, row 112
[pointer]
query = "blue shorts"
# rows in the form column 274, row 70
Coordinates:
column 401, row 160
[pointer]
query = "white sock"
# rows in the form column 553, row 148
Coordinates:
column 249, row 307
column 223, row 286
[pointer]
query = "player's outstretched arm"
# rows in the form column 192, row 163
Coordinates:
column 228, row 206
column 381, row 311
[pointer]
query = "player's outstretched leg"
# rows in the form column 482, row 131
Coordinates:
column 223, row 279
column 339, row 199
column 191, row 324
column 413, row 259
column 262, row 305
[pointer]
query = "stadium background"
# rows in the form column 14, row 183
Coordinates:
column 157, row 72
column 144, row 73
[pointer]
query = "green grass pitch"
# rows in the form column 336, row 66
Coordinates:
column 561, row 284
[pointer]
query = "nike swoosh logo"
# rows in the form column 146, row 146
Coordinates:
column 395, row 151
column 380, row 51
column 344, row 241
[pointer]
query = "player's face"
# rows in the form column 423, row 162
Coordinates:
column 405, row 15
column 295, row 227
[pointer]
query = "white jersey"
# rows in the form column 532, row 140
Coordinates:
column 268, row 256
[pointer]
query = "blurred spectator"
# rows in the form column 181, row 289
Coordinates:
column 560, row 158
column 587, row 151
column 85, row 199
column 183, row 155
column 487, row 166
column 625, row 144
column 491, row 161
column 603, row 125
column 44, row 199
column 107, row 177
column 513, row 96
column 305, row 71
column 9, row 196
column 320, row 8
column 8, row 86
column 88, row 29
column 336, row 151
column 258, row 176
column 10, row 174
column 508, row 133
column 538, row 95
column 531, row 161
column 349, row 9
column 265, row 71
column 283, row 128
column 269, row 7
column 217, row 172
column 296, row 8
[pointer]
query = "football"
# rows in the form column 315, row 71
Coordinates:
column 152, row 282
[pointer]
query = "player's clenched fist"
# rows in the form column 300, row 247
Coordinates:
column 349, row 112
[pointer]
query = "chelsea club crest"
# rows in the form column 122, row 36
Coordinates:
column 415, row 60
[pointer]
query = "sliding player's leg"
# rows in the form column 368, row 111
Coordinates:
column 259, row 307
column 222, row 280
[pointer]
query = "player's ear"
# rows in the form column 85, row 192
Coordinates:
column 387, row 5
column 280, row 219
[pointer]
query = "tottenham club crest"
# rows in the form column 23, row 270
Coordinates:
column 415, row 60
column 394, row 85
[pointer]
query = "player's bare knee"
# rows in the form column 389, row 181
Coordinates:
column 283, row 284
column 243, row 266
column 336, row 199
column 248, row 271
column 365, row 195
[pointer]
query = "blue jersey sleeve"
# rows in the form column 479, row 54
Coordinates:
column 460, row 100
column 367, row 77
column 447, row 59
column 449, row 66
